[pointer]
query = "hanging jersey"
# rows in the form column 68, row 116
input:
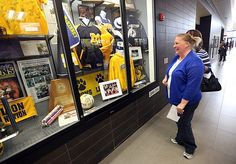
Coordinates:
column 117, row 70
column 89, row 50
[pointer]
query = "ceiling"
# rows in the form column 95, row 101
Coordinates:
column 223, row 7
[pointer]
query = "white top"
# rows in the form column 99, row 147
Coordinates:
column 85, row 20
column 103, row 14
column 170, row 75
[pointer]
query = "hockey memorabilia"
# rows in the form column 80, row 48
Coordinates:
column 21, row 109
column 10, row 84
column 87, row 101
column 36, row 75
column 51, row 116
column 110, row 89
column 60, row 94
column 135, row 53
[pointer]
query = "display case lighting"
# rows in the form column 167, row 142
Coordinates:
column 10, row 14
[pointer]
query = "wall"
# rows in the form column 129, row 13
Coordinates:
column 179, row 17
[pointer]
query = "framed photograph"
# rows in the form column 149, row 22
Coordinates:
column 36, row 75
column 135, row 53
column 110, row 89
column 10, row 83
column 130, row 4
column 34, row 47
column 85, row 11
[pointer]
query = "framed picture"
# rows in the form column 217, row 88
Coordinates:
column 10, row 83
column 110, row 89
column 135, row 53
column 85, row 11
column 129, row 4
column 36, row 75
column 34, row 47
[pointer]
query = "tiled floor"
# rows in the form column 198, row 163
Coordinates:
column 214, row 126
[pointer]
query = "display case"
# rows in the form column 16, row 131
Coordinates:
column 118, row 57
column 69, row 62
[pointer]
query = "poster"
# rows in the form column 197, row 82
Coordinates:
column 36, row 75
column 10, row 84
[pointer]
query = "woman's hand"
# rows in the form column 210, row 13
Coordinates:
column 180, row 107
column 165, row 81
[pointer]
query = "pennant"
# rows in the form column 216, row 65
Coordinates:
column 73, row 35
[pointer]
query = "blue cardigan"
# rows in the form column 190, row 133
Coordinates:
column 186, row 79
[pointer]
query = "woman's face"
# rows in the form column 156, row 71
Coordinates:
column 181, row 46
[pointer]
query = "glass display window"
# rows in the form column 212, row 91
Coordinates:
column 101, row 52
column 37, row 95
column 140, row 29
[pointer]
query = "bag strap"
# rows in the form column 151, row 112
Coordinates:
column 212, row 72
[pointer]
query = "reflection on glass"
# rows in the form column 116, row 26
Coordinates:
column 140, row 34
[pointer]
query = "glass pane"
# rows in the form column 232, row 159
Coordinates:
column 141, row 46
column 33, row 75
column 103, row 71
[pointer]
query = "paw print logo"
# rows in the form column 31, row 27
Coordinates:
column 81, row 84
column 99, row 78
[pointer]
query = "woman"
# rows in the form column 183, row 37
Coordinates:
column 200, row 51
column 222, row 51
column 183, row 78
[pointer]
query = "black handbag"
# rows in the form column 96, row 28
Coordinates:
column 211, row 84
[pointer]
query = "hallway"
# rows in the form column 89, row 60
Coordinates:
column 214, row 127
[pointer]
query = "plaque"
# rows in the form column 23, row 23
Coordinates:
column 60, row 94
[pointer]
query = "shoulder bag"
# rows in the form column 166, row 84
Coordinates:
column 211, row 84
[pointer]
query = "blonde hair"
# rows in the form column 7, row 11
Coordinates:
column 198, row 35
column 188, row 38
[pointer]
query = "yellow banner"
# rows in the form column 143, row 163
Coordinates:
column 90, row 83
column 21, row 109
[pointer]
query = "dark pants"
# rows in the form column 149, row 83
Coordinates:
column 185, row 134
column 222, row 57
